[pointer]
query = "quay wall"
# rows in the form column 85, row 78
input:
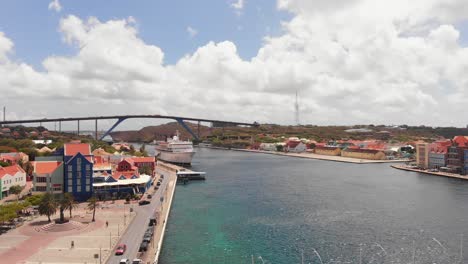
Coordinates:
column 314, row 156
column 442, row 174
column 169, row 171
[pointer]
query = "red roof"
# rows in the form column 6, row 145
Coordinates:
column 10, row 170
column 127, row 174
column 292, row 143
column 43, row 167
column 460, row 141
column 143, row 159
column 71, row 149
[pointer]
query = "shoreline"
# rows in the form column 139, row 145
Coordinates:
column 312, row 156
column 442, row 174
column 173, row 178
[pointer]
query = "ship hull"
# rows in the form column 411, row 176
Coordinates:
column 184, row 158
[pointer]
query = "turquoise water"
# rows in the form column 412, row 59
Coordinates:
column 280, row 209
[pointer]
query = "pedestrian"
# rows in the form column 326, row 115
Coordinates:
column 107, row 224
column 72, row 244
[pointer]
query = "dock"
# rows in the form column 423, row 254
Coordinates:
column 183, row 174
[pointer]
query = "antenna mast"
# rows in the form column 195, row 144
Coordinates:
column 296, row 108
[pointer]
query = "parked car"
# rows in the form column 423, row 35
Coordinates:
column 152, row 222
column 143, row 246
column 156, row 187
column 162, row 176
column 120, row 249
column 149, row 196
column 124, row 261
column 144, row 202
column 147, row 238
column 158, row 184
column 137, row 261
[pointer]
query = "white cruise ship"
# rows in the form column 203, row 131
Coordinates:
column 175, row 151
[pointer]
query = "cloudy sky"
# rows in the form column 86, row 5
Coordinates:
column 351, row 61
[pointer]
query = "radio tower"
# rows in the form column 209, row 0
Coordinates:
column 296, row 107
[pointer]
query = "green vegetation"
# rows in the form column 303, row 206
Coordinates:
column 16, row 190
column 4, row 164
column 35, row 200
column 48, row 205
column 10, row 211
column 145, row 170
column 92, row 205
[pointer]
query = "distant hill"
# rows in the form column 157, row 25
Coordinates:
column 161, row 132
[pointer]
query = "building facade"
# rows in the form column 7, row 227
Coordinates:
column 78, row 170
column 10, row 176
column 329, row 151
column 48, row 176
column 369, row 154
column 422, row 155
column 437, row 160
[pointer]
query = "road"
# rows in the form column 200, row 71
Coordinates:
column 135, row 231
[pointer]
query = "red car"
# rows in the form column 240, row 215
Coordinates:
column 120, row 249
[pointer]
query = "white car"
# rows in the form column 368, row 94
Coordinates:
column 137, row 261
column 124, row 261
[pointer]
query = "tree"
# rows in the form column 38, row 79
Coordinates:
column 28, row 168
column 70, row 203
column 16, row 190
column 145, row 170
column 279, row 147
column 48, row 205
column 142, row 148
column 4, row 164
column 132, row 149
column 92, row 204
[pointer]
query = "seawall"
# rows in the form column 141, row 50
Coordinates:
column 314, row 156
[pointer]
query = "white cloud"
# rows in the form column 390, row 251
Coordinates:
column 399, row 62
column 191, row 31
column 238, row 6
column 55, row 5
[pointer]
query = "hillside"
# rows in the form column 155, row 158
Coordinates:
column 161, row 132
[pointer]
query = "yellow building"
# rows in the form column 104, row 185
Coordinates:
column 369, row 154
column 328, row 151
column 422, row 155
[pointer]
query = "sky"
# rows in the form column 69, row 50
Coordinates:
column 351, row 61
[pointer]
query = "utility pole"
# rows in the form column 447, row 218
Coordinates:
column 4, row 114
column 296, row 108
column 96, row 130
column 78, row 128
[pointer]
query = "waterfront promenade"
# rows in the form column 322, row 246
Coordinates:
column 159, row 208
column 308, row 155
column 39, row 242
column 438, row 173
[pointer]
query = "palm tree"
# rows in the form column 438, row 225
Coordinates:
column 92, row 204
column 70, row 202
column 48, row 205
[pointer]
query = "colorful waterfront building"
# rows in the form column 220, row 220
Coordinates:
column 10, row 176
column 358, row 153
column 422, row 155
column 48, row 176
column 328, row 150
column 78, row 170
column 295, row 145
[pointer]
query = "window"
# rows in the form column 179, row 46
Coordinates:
column 70, row 168
column 88, row 181
column 41, row 179
column 78, row 174
column 41, row 188
column 88, row 188
column 88, row 167
column 57, row 188
column 70, row 188
column 70, row 175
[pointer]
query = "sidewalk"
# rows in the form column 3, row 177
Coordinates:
column 39, row 242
